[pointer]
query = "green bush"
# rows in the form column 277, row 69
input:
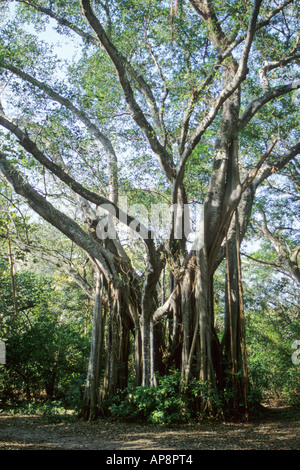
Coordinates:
column 46, row 348
column 172, row 404
column 135, row 403
column 166, row 404
column 291, row 387
column 271, row 370
column 52, row 410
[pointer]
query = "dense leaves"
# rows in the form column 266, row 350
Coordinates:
column 46, row 344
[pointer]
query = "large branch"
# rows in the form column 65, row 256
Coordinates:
column 55, row 169
column 62, row 21
column 77, row 188
column 58, row 260
column 261, row 24
column 166, row 307
column 269, row 169
column 223, row 96
column 257, row 104
column 61, row 221
column 205, row 9
column 264, row 170
column 250, row 183
column 274, row 64
column 141, row 83
column 81, row 115
column 221, row 57
column 164, row 157
column 287, row 258
column 253, row 173
column 139, row 117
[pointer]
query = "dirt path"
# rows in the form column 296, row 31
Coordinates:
column 278, row 429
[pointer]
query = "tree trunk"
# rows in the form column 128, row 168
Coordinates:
column 90, row 405
column 121, row 323
column 152, row 277
column 234, row 341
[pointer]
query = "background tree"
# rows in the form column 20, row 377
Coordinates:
column 45, row 320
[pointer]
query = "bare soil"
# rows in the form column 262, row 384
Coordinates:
column 276, row 429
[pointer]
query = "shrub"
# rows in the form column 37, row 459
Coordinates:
column 168, row 403
column 291, row 387
column 138, row 403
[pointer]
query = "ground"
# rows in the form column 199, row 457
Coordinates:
column 276, row 429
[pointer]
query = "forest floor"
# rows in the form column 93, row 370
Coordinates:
column 277, row 429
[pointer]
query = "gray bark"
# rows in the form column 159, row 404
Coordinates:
column 91, row 399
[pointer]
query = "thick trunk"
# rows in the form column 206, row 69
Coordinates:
column 202, row 353
column 190, row 319
column 205, row 358
column 114, row 345
column 89, row 409
column 148, row 378
column 187, row 312
column 234, row 342
column 231, row 335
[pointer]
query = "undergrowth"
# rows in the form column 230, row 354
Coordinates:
column 172, row 403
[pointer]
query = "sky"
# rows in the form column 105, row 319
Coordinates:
column 64, row 47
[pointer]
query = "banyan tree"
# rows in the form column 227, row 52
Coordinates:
column 179, row 108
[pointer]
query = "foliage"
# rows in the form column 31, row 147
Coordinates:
column 164, row 404
column 53, row 410
column 46, row 345
column 271, row 369
column 170, row 402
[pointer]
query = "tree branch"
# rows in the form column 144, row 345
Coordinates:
column 206, row 10
column 163, row 156
column 269, row 169
column 56, row 218
column 88, row 195
column 261, row 24
column 58, row 260
column 223, row 96
column 163, row 310
column 256, row 104
column 268, row 66
column 221, row 57
column 104, row 140
column 286, row 258
column 253, row 173
column 62, row 21
column 141, row 83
